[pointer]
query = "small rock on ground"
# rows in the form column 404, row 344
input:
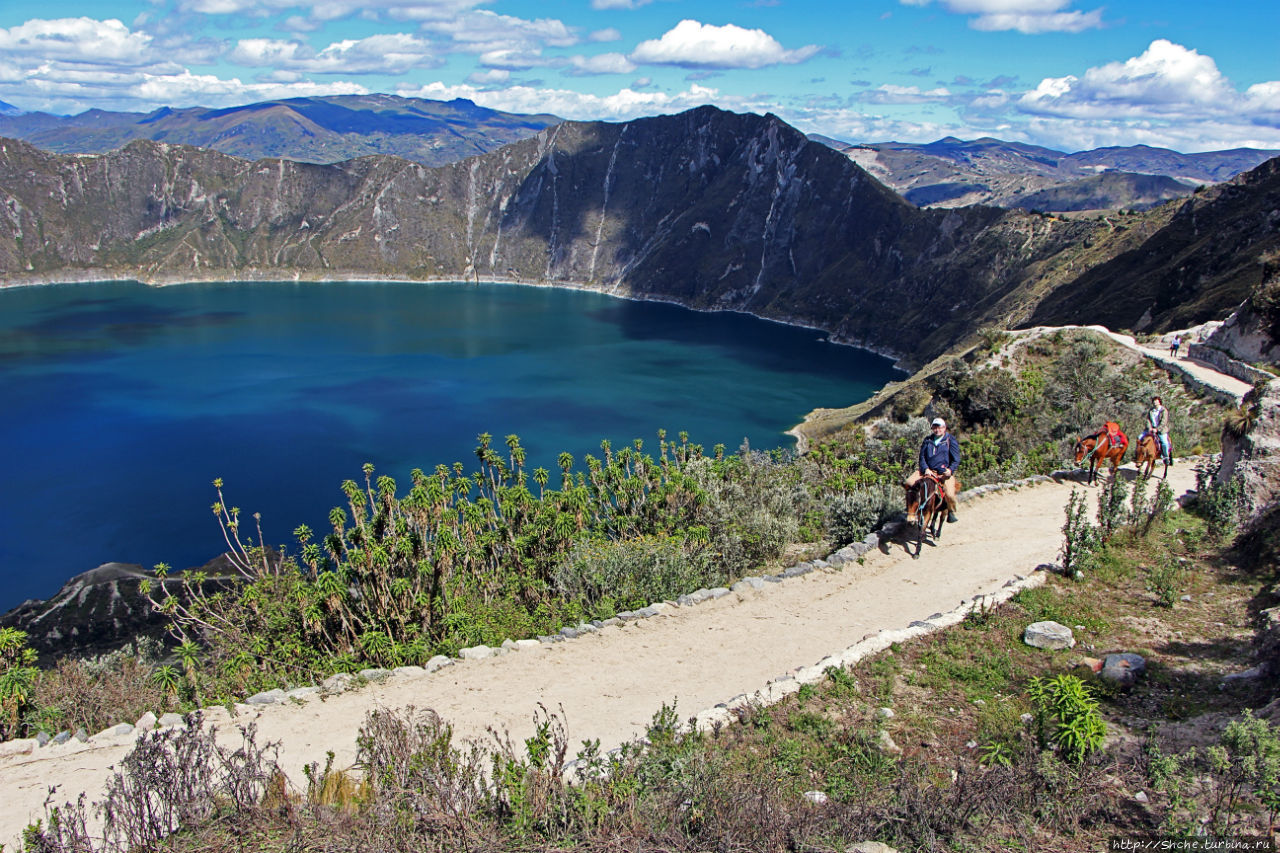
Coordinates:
column 1048, row 635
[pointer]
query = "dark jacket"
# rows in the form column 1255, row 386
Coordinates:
column 946, row 454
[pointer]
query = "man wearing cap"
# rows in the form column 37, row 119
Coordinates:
column 940, row 454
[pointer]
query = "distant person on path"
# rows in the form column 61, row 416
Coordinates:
column 1174, row 344
column 939, row 455
column 1158, row 425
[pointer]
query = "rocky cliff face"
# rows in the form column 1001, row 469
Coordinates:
column 707, row 208
column 101, row 610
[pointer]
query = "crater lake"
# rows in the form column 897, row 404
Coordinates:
column 123, row 402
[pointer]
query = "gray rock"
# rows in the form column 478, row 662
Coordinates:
column 267, row 697
column 167, row 720
column 81, row 735
column 1247, row 675
column 303, row 692
column 475, row 653
column 114, row 731
column 870, row 847
column 887, row 745
column 1142, row 797
column 773, row 579
column 627, row 616
column 797, row 570
column 408, row 671
column 375, row 674
column 551, row 638
column 339, row 682
column 821, row 564
column 718, row 592
column 1123, row 669
column 1048, row 635
column 438, row 662
column 60, row 738
column 597, row 624
column 885, row 713
column 42, row 738
column 569, row 633
column 612, row 622
column 687, row 600
column 146, row 722
column 526, row 644
column 587, row 628
column 741, row 587
column 818, row 798
column 648, row 612
column 19, row 746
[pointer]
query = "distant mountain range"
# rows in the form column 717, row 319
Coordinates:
column 707, row 208
column 955, row 173
column 310, row 130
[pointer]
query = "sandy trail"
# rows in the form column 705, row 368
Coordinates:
column 611, row 683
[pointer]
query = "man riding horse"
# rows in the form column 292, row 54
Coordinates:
column 1158, row 425
column 939, row 458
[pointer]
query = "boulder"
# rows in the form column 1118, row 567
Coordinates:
column 1048, row 635
column 266, row 697
column 1123, row 669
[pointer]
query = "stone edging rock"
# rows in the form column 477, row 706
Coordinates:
column 66, row 743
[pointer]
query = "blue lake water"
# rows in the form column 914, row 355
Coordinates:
column 122, row 403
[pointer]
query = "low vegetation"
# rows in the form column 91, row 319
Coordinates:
column 992, row 744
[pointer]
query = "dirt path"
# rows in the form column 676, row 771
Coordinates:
column 611, row 683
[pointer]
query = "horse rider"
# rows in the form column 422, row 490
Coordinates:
column 940, row 456
column 1158, row 425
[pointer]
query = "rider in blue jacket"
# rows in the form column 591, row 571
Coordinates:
column 940, row 453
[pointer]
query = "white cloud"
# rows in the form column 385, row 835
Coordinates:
column 623, row 105
column 619, row 4
column 604, row 63
column 390, row 53
column 607, row 34
column 484, row 30
column 891, row 94
column 330, row 10
column 691, row 44
column 140, row 91
column 1166, row 80
column 85, row 40
column 492, row 77
column 512, row 60
column 1026, row 16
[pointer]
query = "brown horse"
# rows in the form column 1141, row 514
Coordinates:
column 926, row 509
column 1146, row 450
column 1099, row 450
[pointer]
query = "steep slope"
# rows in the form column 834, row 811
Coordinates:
column 1108, row 191
column 1208, row 255
column 313, row 130
column 708, row 208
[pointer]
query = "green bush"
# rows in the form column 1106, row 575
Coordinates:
column 853, row 515
column 614, row 576
column 1067, row 716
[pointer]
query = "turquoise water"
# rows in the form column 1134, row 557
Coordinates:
column 123, row 402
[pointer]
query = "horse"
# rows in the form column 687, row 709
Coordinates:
column 1147, row 450
column 926, row 510
column 1099, row 450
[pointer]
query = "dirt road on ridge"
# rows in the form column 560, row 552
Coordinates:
column 611, row 683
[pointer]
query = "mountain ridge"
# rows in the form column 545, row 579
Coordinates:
column 710, row 209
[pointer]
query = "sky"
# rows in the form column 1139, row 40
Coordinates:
column 1066, row 74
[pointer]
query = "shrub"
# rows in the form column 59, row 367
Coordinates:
column 1067, row 716
column 613, row 576
column 853, row 515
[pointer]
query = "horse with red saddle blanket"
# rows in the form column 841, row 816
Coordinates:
column 1107, row 445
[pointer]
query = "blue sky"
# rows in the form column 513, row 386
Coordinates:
column 1067, row 74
